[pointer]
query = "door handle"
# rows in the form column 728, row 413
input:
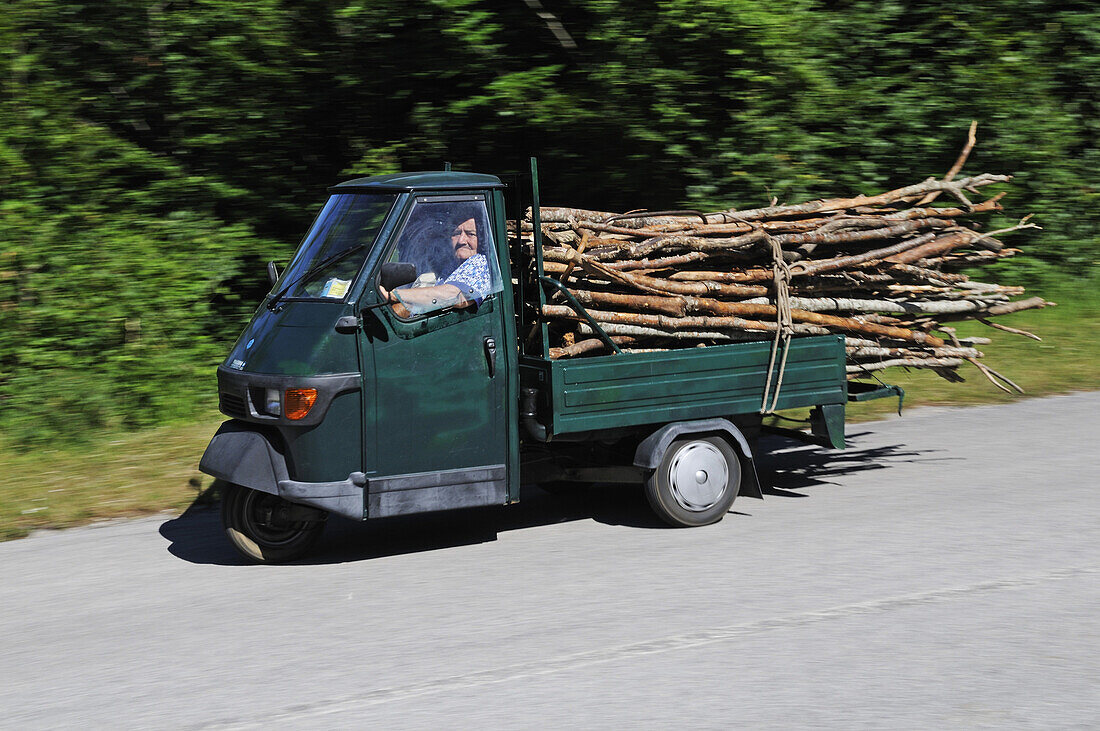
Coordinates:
column 491, row 354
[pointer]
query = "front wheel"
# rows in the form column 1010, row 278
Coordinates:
column 696, row 482
column 267, row 529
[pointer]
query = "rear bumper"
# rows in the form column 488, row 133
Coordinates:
column 860, row 391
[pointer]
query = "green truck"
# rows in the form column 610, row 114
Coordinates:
column 399, row 365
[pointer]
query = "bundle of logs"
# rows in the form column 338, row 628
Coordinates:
column 882, row 270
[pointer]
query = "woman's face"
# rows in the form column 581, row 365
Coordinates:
column 464, row 239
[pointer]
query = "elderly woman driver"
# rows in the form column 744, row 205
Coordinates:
column 468, row 283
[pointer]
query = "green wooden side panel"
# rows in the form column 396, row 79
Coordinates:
column 631, row 389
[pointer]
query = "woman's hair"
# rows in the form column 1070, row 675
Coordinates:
column 463, row 212
column 426, row 238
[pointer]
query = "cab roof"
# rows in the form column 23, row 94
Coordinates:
column 435, row 180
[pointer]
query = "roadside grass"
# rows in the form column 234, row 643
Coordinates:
column 118, row 475
column 130, row 474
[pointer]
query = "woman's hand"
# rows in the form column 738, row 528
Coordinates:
column 396, row 305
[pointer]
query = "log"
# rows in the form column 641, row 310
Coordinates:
column 880, row 353
column 906, row 307
column 659, row 264
column 735, row 311
column 939, row 245
column 669, row 286
column 900, row 194
column 587, row 346
column 727, row 336
column 933, row 363
column 804, row 269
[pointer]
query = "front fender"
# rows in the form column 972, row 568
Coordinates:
column 240, row 454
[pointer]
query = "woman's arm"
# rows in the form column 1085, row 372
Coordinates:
column 420, row 300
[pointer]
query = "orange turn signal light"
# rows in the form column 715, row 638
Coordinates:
column 298, row 402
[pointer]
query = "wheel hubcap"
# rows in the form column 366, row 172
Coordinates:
column 698, row 476
column 266, row 520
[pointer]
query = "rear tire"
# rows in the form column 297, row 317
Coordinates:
column 696, row 482
column 259, row 526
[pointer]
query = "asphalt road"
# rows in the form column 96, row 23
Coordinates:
column 942, row 572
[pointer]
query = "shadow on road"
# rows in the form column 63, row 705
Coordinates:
column 786, row 465
column 783, row 466
column 197, row 536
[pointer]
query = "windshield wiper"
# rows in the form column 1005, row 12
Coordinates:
column 337, row 257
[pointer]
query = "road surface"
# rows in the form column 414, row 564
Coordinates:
column 944, row 571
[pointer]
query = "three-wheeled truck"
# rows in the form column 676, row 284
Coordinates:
column 399, row 365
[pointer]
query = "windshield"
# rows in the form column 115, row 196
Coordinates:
column 334, row 249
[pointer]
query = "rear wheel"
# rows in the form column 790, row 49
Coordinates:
column 696, row 482
column 267, row 529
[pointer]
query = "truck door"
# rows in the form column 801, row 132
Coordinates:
column 439, row 416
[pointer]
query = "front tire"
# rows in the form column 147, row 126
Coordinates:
column 696, row 482
column 263, row 527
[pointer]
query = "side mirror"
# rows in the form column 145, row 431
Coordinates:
column 272, row 272
column 396, row 274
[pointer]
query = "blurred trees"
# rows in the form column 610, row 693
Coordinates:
column 153, row 154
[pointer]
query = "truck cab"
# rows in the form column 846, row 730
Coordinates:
column 344, row 402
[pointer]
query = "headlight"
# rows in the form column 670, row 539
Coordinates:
column 272, row 403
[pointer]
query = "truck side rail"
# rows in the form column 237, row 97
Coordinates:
column 583, row 313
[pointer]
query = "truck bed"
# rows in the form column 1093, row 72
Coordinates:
column 633, row 389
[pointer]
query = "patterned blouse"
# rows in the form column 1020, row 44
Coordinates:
column 472, row 277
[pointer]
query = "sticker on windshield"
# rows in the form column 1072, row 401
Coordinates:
column 336, row 288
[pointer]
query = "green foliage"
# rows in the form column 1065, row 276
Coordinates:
column 152, row 155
